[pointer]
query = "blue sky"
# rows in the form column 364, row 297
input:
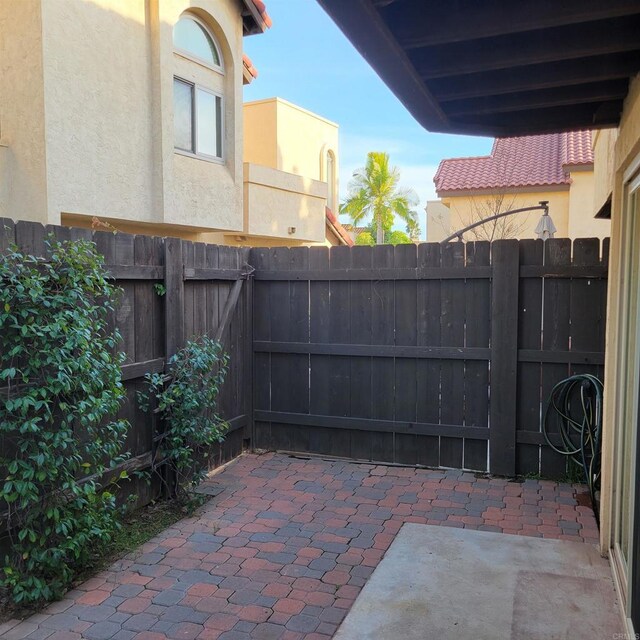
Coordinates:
column 305, row 58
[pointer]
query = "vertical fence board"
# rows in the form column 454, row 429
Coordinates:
column 556, row 337
column 382, row 369
column 428, row 371
column 320, row 365
column 528, row 397
column 476, row 376
column 406, row 315
column 261, row 259
column 299, row 363
column 340, row 330
column 361, row 332
column 504, row 357
column 452, row 371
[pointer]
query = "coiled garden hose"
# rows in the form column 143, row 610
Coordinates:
column 575, row 410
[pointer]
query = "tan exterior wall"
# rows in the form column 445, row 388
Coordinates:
column 286, row 137
column 279, row 204
column 22, row 115
column 464, row 210
column 572, row 209
column 438, row 221
column 261, row 133
column 582, row 223
column 626, row 147
column 604, row 143
column 89, row 125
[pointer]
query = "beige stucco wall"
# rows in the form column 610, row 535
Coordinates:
column 284, row 136
column 582, row 223
column 438, row 219
column 604, row 143
column 626, row 149
column 89, row 125
column 276, row 201
column 260, row 143
column 464, row 210
column 571, row 207
column 22, row 119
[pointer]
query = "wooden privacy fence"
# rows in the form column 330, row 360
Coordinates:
column 204, row 294
column 433, row 355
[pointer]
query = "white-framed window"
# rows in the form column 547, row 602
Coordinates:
column 197, row 118
column 197, row 108
column 193, row 40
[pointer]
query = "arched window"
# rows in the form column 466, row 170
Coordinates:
column 197, row 109
column 191, row 38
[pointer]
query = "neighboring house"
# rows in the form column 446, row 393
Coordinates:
column 518, row 173
column 129, row 114
column 125, row 110
column 290, row 177
column 521, row 68
column 354, row 231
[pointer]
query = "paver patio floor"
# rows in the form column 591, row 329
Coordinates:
column 285, row 548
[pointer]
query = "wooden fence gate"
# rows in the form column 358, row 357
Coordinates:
column 431, row 355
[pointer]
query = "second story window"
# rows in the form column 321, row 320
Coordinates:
column 197, row 108
column 197, row 117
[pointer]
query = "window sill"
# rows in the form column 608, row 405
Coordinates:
column 196, row 156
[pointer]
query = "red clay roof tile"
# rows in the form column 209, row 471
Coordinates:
column 518, row 162
column 335, row 224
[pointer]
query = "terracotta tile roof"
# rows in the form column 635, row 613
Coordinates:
column 518, row 162
column 334, row 224
column 248, row 65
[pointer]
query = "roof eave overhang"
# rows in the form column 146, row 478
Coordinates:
column 533, row 104
column 361, row 24
column 252, row 20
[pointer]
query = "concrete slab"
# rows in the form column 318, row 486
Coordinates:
column 441, row 582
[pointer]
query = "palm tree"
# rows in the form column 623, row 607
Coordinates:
column 374, row 192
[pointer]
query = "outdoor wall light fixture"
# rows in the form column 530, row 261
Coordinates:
column 544, row 230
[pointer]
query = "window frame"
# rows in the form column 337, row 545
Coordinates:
column 195, row 87
column 197, row 59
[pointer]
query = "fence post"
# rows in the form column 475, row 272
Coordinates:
column 174, row 296
column 504, row 357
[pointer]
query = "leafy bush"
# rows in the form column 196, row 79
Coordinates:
column 59, row 384
column 187, row 402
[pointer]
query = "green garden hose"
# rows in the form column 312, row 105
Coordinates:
column 572, row 426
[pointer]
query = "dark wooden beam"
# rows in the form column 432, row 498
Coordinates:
column 538, row 76
column 572, row 95
column 539, row 121
column 517, row 50
column 420, row 24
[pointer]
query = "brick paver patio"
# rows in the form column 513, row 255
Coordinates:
column 283, row 551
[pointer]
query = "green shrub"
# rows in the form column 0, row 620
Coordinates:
column 60, row 383
column 187, row 402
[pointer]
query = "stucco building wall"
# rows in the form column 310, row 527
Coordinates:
column 572, row 209
column 466, row 209
column 22, row 112
column 87, row 112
